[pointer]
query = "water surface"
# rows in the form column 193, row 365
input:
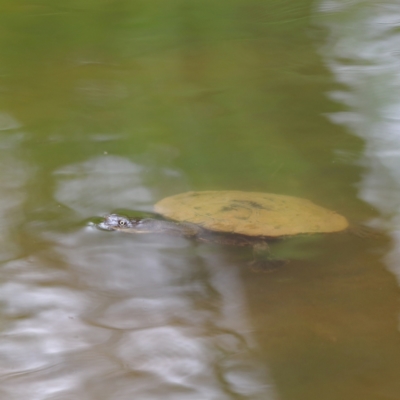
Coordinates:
column 115, row 105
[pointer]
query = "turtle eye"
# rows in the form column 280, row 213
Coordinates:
column 122, row 222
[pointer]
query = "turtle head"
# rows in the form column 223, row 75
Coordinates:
column 115, row 222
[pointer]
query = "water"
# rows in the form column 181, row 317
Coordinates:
column 115, row 105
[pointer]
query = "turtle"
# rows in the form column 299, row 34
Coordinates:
column 234, row 217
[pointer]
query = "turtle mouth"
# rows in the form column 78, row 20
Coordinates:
column 105, row 227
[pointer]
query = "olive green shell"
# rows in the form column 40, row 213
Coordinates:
column 251, row 213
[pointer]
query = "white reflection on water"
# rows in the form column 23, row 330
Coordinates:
column 102, row 184
column 363, row 53
column 101, row 315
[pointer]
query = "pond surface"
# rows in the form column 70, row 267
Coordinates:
column 113, row 105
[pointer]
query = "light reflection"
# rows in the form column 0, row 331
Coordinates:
column 108, row 315
column 362, row 53
column 7, row 122
column 102, row 183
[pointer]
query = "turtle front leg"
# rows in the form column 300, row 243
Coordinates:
column 263, row 261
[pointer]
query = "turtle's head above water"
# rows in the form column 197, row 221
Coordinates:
column 115, row 222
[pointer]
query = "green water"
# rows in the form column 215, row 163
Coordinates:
column 116, row 104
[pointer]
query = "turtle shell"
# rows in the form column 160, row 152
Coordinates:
column 251, row 213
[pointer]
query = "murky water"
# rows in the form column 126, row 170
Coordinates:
column 115, row 105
